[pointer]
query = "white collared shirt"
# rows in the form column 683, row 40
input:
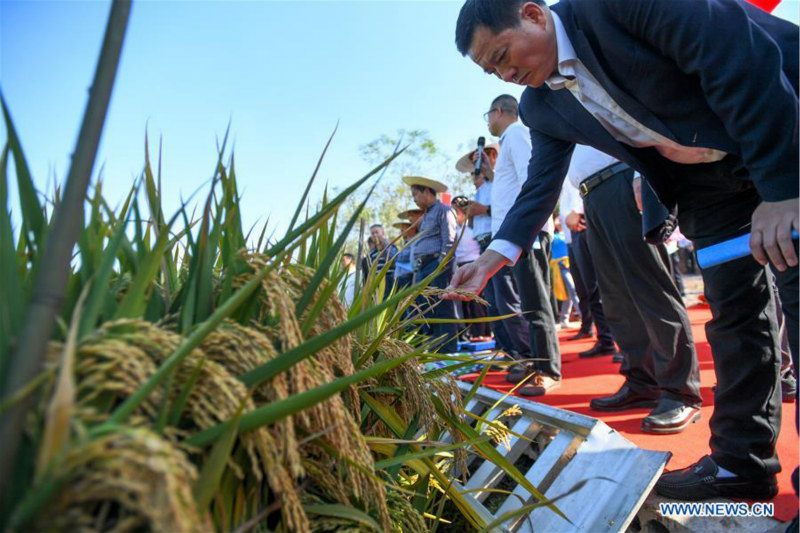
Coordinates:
column 482, row 224
column 468, row 249
column 576, row 78
column 585, row 162
column 510, row 172
column 569, row 201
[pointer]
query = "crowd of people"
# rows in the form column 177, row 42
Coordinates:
column 636, row 117
column 658, row 113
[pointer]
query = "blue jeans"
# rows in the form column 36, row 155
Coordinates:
column 572, row 300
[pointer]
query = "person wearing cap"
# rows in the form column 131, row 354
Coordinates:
column 511, row 334
column 437, row 229
column 532, row 269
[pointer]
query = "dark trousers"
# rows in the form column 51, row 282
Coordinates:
column 507, row 300
column 580, row 289
column 677, row 275
column 532, row 274
column 642, row 305
column 439, row 308
column 582, row 268
column 716, row 204
column 502, row 329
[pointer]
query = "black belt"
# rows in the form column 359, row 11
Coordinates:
column 423, row 260
column 484, row 240
column 596, row 179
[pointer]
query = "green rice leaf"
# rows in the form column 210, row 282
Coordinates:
column 99, row 290
column 336, row 510
column 311, row 181
column 135, row 301
column 33, row 221
column 12, row 298
column 310, row 347
column 280, row 409
column 210, row 476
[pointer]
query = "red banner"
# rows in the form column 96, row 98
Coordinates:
column 766, row 5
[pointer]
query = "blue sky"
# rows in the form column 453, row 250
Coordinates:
column 283, row 73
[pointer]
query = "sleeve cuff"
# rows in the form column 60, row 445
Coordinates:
column 507, row 249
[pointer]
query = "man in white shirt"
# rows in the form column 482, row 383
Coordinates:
column 532, row 270
column 510, row 334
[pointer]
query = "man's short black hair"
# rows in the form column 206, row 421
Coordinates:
column 420, row 188
column 348, row 254
column 376, row 226
column 506, row 103
column 495, row 15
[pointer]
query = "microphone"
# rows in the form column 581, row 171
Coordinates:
column 479, row 155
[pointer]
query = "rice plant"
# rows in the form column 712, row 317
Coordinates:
column 200, row 378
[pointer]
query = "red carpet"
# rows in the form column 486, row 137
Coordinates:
column 585, row 379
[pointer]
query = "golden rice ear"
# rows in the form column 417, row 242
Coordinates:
column 129, row 481
column 119, row 357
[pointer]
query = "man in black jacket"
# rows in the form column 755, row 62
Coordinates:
column 699, row 97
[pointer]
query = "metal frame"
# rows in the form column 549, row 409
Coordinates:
column 618, row 475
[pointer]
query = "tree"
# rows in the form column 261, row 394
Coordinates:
column 422, row 157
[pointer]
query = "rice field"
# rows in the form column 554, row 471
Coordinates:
column 178, row 373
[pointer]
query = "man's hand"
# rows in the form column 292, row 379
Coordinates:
column 771, row 233
column 473, row 277
column 575, row 222
column 475, row 209
column 637, row 191
column 486, row 167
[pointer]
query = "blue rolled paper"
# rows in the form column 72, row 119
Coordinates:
column 727, row 251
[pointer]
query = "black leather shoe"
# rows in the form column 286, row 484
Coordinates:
column 597, row 350
column 700, row 482
column 624, row 398
column 670, row 416
column 580, row 335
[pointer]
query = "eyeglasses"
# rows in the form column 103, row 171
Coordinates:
column 489, row 114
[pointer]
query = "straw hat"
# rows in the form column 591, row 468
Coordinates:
column 437, row 186
column 466, row 165
column 407, row 213
column 402, row 225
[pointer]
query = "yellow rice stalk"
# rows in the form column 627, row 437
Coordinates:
column 416, row 399
column 240, row 349
column 433, row 293
column 282, row 290
column 57, row 425
column 123, row 354
column 405, row 519
column 125, row 482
